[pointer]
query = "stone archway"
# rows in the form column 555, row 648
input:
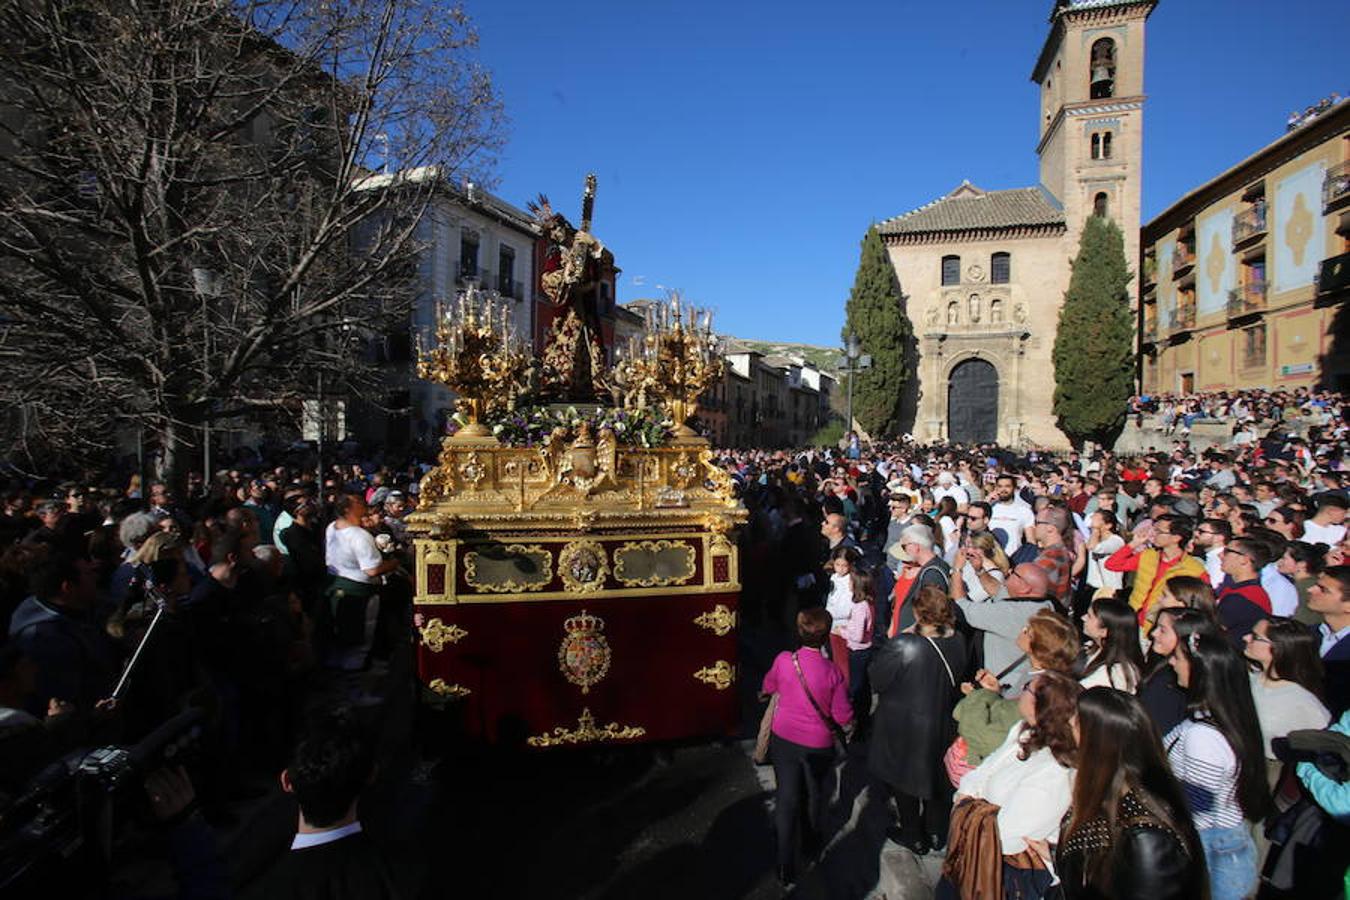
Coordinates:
column 972, row 402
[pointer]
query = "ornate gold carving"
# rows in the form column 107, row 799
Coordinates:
column 720, row 621
column 586, row 733
column 584, row 654
column 439, row 687
column 583, row 566
column 1299, row 231
column 673, row 362
column 436, row 634
column 473, row 470
column 640, row 563
column 585, row 467
column 720, row 674
column 478, row 356
column 510, row 554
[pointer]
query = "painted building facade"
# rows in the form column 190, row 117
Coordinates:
column 1245, row 276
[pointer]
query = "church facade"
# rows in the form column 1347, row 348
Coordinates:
column 983, row 273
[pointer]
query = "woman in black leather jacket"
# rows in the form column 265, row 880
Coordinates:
column 1128, row 834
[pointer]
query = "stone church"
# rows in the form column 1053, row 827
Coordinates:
column 983, row 273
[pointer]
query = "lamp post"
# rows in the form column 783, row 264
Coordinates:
column 856, row 361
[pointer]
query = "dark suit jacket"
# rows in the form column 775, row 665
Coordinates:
column 351, row 868
column 1336, row 665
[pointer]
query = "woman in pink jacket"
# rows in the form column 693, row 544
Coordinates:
column 801, row 745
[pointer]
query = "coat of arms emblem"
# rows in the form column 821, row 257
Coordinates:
column 584, row 654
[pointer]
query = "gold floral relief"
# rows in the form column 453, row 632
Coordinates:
column 1299, row 231
column 586, row 732
column 440, row 688
column 509, row 569
column 436, row 634
column 720, row 620
column 721, row 674
column 654, row 563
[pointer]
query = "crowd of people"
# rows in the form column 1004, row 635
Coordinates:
column 1248, row 412
column 1079, row 674
column 270, row 602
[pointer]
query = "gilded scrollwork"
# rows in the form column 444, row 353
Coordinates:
column 583, row 566
column 586, row 732
column 522, row 556
column 635, row 555
column 721, row 675
column 439, row 687
column 720, row 620
column 436, row 634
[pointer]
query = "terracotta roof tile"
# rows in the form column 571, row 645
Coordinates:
column 970, row 209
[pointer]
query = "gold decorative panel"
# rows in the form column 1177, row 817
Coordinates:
column 721, row 674
column 720, row 620
column 583, row 566
column 509, row 568
column 436, row 634
column 586, row 732
column 654, row 563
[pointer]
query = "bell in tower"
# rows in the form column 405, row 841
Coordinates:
column 1103, row 69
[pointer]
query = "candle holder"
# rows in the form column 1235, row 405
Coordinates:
column 674, row 362
column 478, row 356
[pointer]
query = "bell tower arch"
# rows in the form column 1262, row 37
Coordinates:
column 1091, row 77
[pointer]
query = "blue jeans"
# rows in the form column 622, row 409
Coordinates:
column 1230, row 854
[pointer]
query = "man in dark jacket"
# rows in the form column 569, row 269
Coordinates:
column 331, row 855
column 76, row 662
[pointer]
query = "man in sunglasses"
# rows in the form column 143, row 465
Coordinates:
column 1241, row 600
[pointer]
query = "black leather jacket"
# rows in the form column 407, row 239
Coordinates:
column 1148, row 861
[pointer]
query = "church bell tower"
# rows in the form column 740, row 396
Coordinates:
column 1091, row 78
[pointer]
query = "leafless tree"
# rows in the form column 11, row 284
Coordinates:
column 195, row 217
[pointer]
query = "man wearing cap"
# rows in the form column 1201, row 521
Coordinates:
column 920, row 567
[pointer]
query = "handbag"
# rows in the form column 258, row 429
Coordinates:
column 761, row 754
column 840, row 736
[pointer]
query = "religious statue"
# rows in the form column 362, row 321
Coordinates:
column 572, row 271
column 975, row 309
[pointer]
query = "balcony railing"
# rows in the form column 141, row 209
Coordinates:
column 1336, row 185
column 1183, row 258
column 1181, row 318
column 1248, row 298
column 1249, row 224
column 1334, row 275
column 1150, row 330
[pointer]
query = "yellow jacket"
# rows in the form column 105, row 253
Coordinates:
column 1148, row 586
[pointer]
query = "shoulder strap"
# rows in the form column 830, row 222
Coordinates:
column 932, row 643
column 835, row 728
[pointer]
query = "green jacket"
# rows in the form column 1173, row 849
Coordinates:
column 984, row 719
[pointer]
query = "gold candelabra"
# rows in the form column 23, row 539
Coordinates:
column 674, row 362
column 478, row 356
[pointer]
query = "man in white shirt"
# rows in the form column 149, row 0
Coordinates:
column 1011, row 515
column 1211, row 536
column 1327, row 526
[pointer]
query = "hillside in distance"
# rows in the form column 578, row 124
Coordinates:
column 826, row 359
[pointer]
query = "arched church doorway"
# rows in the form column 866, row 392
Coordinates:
column 972, row 403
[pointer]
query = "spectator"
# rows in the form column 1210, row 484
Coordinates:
column 1287, row 689
column 1330, row 598
column 812, row 706
column 1327, row 526
column 1019, row 794
column 914, row 677
column 923, row 568
column 1159, row 691
column 1114, row 658
column 1053, row 528
column 1302, row 563
column 1216, row 755
column 1129, row 833
column 1155, row 555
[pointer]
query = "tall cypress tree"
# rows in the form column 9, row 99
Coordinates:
column 1094, row 346
column 876, row 316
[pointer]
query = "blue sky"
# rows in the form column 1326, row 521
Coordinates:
column 743, row 148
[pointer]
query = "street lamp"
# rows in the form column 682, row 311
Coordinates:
column 857, row 361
